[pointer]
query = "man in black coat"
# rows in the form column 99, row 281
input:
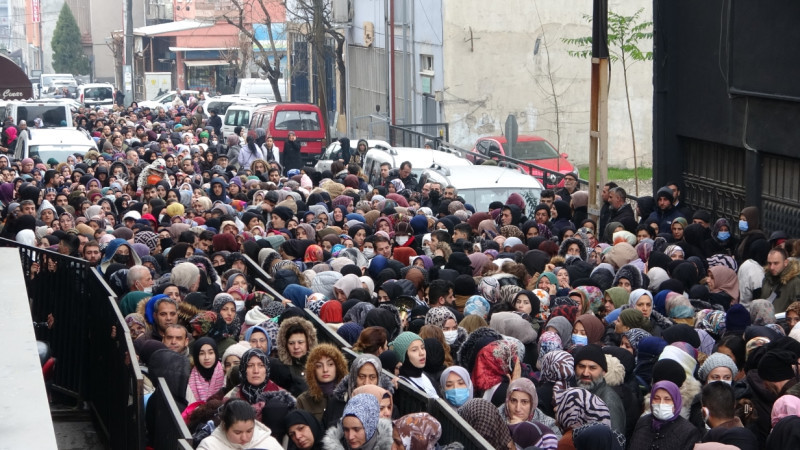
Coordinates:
column 621, row 211
column 215, row 122
column 292, row 158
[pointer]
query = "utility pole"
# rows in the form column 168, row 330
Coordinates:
column 318, row 34
column 127, row 69
column 598, row 115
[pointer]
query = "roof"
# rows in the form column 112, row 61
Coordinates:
column 171, row 27
column 486, row 176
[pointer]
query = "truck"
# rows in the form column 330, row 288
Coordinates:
column 156, row 83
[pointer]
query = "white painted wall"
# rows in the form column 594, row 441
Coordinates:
column 503, row 75
column 50, row 11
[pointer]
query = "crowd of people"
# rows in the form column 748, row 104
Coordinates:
column 654, row 327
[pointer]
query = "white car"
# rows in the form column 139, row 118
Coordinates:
column 325, row 159
column 481, row 185
column 58, row 143
column 96, row 94
column 165, row 100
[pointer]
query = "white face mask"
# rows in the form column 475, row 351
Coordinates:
column 401, row 240
column 451, row 336
column 427, row 251
column 148, row 289
column 663, row 411
column 239, row 305
column 369, row 253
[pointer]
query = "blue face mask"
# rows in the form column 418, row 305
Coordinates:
column 742, row 225
column 577, row 339
column 724, row 235
column 457, row 396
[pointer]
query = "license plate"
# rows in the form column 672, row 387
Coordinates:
column 303, row 143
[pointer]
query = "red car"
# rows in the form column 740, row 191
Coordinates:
column 531, row 149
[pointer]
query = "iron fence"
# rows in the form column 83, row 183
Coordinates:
column 170, row 430
column 96, row 361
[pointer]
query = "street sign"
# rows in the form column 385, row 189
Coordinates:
column 36, row 9
column 512, row 130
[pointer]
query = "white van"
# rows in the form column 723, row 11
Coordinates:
column 96, row 94
column 420, row 159
column 481, row 185
column 46, row 143
column 239, row 114
column 256, row 87
column 53, row 112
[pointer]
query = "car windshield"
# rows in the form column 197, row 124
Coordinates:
column 51, row 115
column 59, row 152
column 297, row 120
column 98, row 93
column 237, row 118
column 480, row 198
column 528, row 150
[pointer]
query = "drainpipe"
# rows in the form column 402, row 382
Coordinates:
column 391, row 60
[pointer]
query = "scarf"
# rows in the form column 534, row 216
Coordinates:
column 252, row 392
column 204, row 387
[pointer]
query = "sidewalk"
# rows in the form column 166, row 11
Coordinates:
column 74, row 429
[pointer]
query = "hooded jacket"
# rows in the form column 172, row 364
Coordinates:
column 665, row 217
column 786, row 286
column 262, row 438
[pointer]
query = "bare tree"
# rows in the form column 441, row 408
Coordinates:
column 318, row 18
column 116, row 43
column 239, row 54
column 238, row 16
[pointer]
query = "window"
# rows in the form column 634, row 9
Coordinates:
column 426, row 64
column 297, row 120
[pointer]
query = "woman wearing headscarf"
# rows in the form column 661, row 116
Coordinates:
column 418, row 431
column 228, row 324
column 365, row 369
column 722, row 241
column 576, row 407
column 484, row 417
column 325, row 368
column 642, row 300
column 368, row 431
column 456, row 386
column 557, row 372
column 296, row 338
column 723, row 285
column 522, row 405
column 496, row 365
column 305, row 432
column 410, row 351
column 270, row 401
column 664, row 427
column 207, row 376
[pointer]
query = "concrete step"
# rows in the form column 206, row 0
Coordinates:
column 74, row 429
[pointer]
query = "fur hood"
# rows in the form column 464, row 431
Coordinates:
column 615, row 375
column 290, row 324
column 382, row 439
column 689, row 390
column 311, row 378
column 562, row 251
column 790, row 272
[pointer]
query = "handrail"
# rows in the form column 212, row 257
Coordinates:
column 175, row 431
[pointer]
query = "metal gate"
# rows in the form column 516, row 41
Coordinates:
column 714, row 177
column 368, row 79
column 780, row 194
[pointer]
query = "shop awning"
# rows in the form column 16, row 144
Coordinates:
column 199, row 49
column 164, row 29
column 14, row 84
column 206, row 62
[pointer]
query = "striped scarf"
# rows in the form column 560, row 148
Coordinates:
column 203, row 389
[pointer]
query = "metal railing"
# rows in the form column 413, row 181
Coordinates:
column 406, row 398
column 170, row 430
column 406, row 136
column 97, row 363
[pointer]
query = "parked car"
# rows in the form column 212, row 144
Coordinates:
column 58, row 143
column 305, row 119
column 482, row 185
column 530, row 149
column 165, row 100
column 96, row 94
column 326, row 158
column 256, row 87
column 420, row 159
column 239, row 114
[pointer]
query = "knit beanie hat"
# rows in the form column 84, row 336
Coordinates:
column 680, row 356
column 592, row 353
column 737, row 319
column 632, row 318
column 776, row 365
column 401, row 343
column 714, row 361
column 670, row 370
